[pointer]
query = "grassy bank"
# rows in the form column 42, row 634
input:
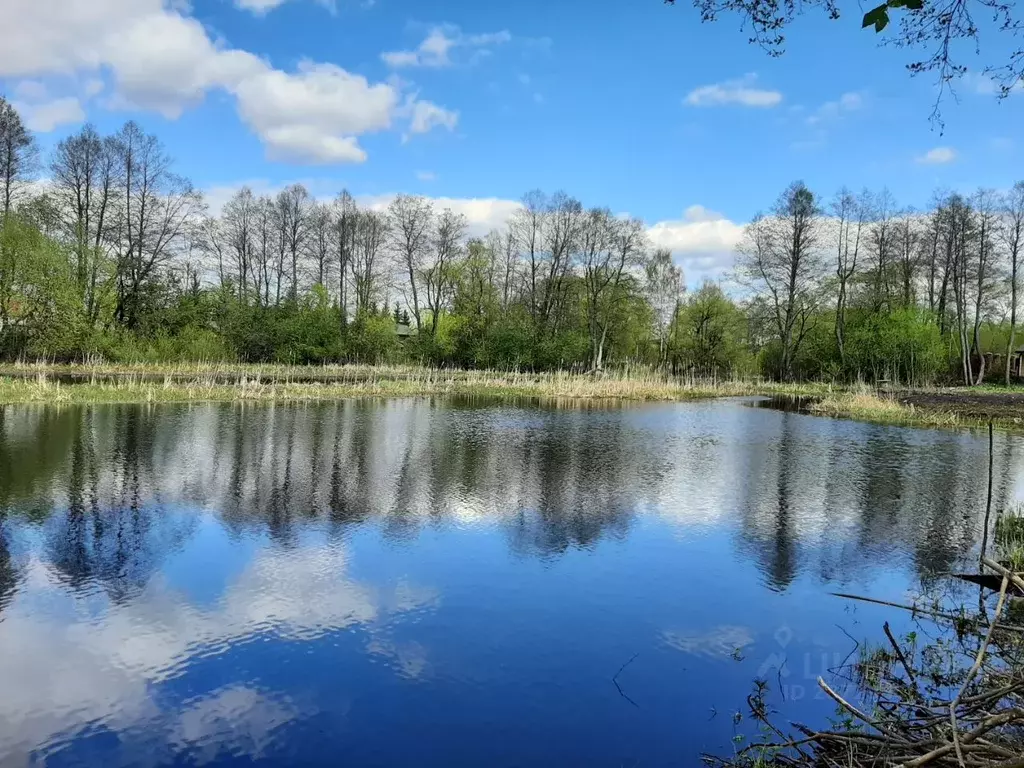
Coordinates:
column 205, row 383
column 926, row 408
column 202, row 382
column 886, row 409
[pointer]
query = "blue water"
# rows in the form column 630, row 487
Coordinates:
column 432, row 582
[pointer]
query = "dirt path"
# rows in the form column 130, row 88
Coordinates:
column 974, row 405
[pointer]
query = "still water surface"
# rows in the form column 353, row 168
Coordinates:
column 434, row 582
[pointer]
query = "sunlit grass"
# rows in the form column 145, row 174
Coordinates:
column 197, row 382
column 866, row 405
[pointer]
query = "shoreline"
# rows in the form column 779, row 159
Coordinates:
column 57, row 384
column 205, row 382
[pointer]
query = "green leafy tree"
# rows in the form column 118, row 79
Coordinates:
column 709, row 334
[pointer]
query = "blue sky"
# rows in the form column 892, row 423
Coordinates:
column 633, row 105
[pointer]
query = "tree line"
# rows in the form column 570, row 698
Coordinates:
column 107, row 252
column 860, row 287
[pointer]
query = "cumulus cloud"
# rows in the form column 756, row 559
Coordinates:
column 43, row 112
column 937, row 156
column 161, row 59
column 702, row 241
column 313, row 115
column 435, row 50
column 44, row 116
column 742, row 91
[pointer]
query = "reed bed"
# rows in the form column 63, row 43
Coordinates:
column 196, row 382
column 865, row 405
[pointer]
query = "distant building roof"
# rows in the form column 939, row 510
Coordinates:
column 401, row 329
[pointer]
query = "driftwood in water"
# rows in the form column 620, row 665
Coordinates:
column 954, row 704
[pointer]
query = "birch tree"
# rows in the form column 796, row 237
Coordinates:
column 664, row 283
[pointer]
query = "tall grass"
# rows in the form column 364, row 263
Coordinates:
column 864, row 404
column 212, row 381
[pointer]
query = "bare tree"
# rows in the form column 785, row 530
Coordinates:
column 848, row 213
column 371, row 236
column 294, row 206
column 960, row 235
column 881, row 246
column 1013, row 238
column 564, row 217
column 907, row 237
column 504, row 253
column 85, row 181
column 440, row 277
column 346, row 215
column 320, row 243
column 987, row 215
column 779, row 257
column 157, row 213
column 665, row 288
column 18, row 156
column 527, row 228
column 410, row 220
column 263, row 255
column 240, row 228
column 607, row 247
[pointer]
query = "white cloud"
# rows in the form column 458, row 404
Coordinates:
column 313, row 115
column 43, row 112
column 482, row 213
column 44, row 116
column 742, row 91
column 830, row 110
column 161, row 59
column 262, row 7
column 937, row 156
column 259, row 7
column 425, row 115
column 436, row 48
column 702, row 241
column 426, row 175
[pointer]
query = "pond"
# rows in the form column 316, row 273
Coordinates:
column 443, row 582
